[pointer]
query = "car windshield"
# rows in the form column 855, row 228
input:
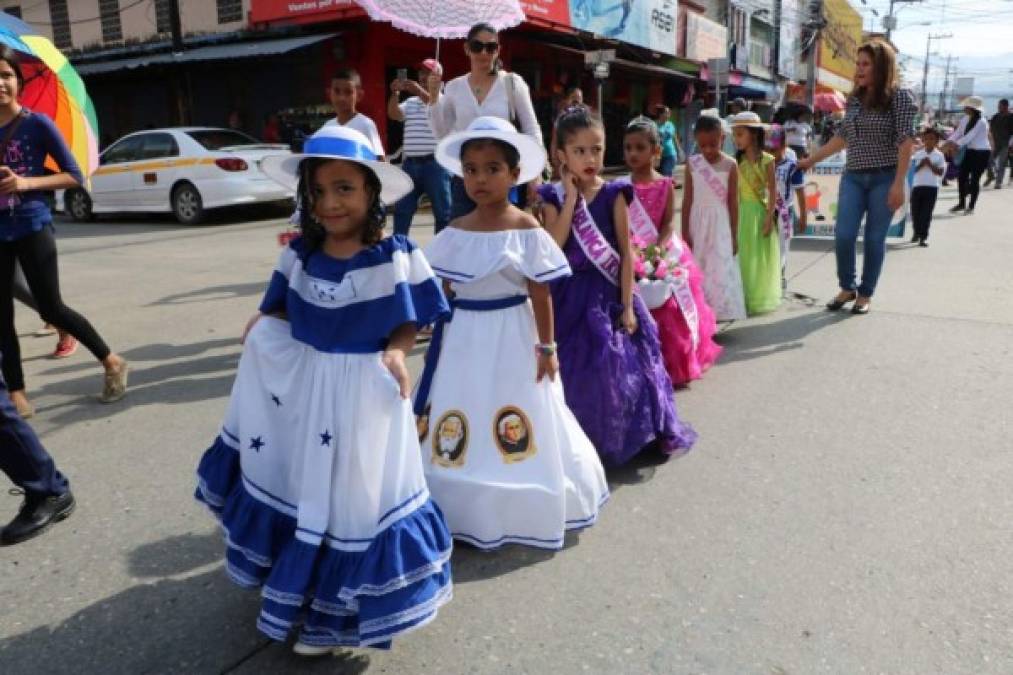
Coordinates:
column 216, row 139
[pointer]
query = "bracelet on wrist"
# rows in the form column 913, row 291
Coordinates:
column 546, row 349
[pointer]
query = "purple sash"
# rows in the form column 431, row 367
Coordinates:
column 592, row 242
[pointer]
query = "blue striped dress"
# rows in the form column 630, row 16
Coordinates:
column 316, row 475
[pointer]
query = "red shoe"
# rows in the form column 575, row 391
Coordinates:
column 66, row 347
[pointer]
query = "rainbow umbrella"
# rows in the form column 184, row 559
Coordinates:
column 53, row 88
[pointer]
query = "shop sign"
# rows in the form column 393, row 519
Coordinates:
column 263, row 11
column 705, row 39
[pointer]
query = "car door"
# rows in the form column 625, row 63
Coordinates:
column 157, row 170
column 113, row 183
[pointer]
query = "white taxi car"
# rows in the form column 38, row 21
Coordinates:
column 182, row 170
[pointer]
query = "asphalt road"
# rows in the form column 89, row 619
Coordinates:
column 848, row 508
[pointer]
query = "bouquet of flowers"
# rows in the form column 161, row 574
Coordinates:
column 657, row 271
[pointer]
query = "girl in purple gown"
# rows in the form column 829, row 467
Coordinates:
column 609, row 353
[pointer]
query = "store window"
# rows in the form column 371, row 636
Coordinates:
column 162, row 21
column 230, row 11
column 109, row 13
column 60, row 20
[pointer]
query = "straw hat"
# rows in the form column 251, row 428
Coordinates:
column 334, row 141
column 974, row 102
column 746, row 119
column 448, row 152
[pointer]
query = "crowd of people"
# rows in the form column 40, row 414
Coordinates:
column 565, row 315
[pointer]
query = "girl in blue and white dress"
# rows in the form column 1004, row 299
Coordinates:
column 316, row 475
column 505, row 458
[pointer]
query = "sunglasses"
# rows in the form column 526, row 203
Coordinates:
column 476, row 47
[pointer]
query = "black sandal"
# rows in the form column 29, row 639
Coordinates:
column 836, row 304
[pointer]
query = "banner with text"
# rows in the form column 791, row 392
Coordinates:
column 645, row 23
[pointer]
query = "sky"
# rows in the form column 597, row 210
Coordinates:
column 981, row 41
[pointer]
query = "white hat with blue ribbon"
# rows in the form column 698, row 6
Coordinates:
column 334, row 141
column 448, row 152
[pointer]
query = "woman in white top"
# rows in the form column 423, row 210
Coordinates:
column 484, row 91
column 972, row 135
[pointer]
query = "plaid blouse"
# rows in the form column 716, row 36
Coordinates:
column 873, row 136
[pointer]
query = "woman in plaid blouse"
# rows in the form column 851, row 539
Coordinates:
column 878, row 133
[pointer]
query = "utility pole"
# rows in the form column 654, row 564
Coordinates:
column 925, row 72
column 946, row 85
column 175, row 26
column 890, row 20
column 816, row 24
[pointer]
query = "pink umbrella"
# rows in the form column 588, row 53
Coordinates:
column 450, row 19
column 830, row 103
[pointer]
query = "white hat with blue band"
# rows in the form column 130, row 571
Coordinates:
column 337, row 142
column 448, row 152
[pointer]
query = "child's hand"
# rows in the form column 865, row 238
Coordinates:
column 548, row 364
column 569, row 180
column 249, row 326
column 768, row 224
column 628, row 320
column 393, row 360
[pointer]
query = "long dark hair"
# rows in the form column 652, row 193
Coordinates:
column 313, row 233
column 572, row 120
column 483, row 27
column 759, row 137
column 647, row 127
column 884, row 76
column 11, row 57
column 972, row 120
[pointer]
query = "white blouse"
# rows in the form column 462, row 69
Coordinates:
column 457, row 106
column 975, row 139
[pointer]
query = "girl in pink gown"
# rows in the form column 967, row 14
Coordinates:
column 687, row 353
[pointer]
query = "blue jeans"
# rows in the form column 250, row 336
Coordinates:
column 668, row 165
column 22, row 456
column 431, row 179
column 862, row 195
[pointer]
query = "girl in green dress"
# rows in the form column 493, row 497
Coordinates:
column 759, row 253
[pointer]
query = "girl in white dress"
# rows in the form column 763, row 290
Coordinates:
column 710, row 208
column 506, row 460
column 315, row 475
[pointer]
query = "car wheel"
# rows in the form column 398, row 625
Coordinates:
column 187, row 204
column 78, row 205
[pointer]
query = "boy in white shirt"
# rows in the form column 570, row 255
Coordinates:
column 345, row 93
column 929, row 166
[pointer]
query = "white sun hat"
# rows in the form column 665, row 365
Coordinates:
column 448, row 152
column 974, row 102
column 337, row 142
column 747, row 119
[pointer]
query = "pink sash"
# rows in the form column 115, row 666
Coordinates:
column 710, row 176
column 642, row 225
column 594, row 244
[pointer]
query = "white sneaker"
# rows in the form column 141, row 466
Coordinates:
column 303, row 649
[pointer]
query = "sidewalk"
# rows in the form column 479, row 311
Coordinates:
column 847, row 509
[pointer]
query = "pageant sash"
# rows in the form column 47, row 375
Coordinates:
column 710, row 176
column 594, row 244
column 642, row 225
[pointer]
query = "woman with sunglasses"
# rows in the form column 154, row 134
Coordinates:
column 485, row 90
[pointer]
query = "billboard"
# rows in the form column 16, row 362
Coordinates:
column 788, row 54
column 840, row 40
column 645, row 23
column 705, row 39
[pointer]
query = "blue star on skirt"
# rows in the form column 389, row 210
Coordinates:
column 325, row 438
column 277, row 401
column 256, row 443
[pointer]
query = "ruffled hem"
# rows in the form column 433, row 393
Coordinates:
column 341, row 598
column 555, row 544
column 465, row 257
